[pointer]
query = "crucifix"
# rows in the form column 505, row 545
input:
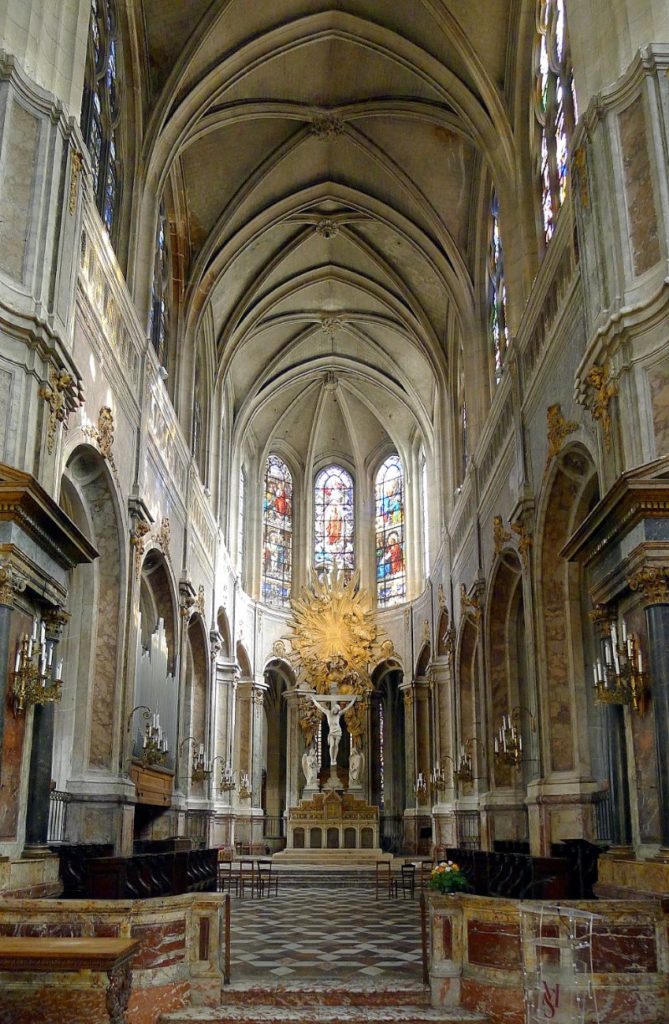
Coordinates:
column 333, row 714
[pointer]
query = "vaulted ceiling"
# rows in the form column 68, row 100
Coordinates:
column 330, row 159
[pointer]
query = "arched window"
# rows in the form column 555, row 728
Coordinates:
column 496, row 292
column 100, row 111
column 390, row 564
column 334, row 520
column 277, row 532
column 159, row 315
column 555, row 107
column 462, row 440
column 425, row 514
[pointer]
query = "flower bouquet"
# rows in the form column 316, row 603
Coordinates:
column 448, row 877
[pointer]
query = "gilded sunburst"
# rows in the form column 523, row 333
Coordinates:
column 333, row 635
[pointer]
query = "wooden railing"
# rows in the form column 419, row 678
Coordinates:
column 569, row 875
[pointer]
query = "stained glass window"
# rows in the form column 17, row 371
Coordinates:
column 425, row 514
column 334, row 519
column 555, row 107
column 496, row 292
column 159, row 315
column 390, row 564
column 277, row 539
column 100, row 112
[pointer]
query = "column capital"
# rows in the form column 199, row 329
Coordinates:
column 652, row 584
column 54, row 620
column 11, row 583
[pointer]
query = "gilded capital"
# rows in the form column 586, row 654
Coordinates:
column 11, row 583
column 652, row 583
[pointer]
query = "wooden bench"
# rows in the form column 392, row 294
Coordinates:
column 111, row 956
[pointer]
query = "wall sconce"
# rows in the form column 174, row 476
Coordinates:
column 227, row 780
column 618, row 675
column 244, row 791
column 508, row 742
column 154, row 742
column 31, row 678
column 200, row 767
column 420, row 787
column 463, row 769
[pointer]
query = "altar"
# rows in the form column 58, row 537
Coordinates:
column 331, row 821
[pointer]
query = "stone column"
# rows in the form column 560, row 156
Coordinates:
column 652, row 583
column 410, row 767
column 224, row 682
column 443, row 813
column 294, row 751
column 41, row 752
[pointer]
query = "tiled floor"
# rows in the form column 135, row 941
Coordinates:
column 314, row 933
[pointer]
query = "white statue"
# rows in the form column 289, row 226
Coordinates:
column 310, row 766
column 356, row 763
column 333, row 715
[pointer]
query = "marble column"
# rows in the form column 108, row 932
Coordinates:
column 652, row 583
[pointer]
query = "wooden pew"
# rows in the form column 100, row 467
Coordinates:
column 110, row 956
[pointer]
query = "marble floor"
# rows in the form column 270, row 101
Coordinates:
column 317, row 933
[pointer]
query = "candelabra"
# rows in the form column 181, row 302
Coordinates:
column 420, row 786
column 32, row 682
column 508, row 742
column 227, row 781
column 463, row 770
column 154, row 741
column 244, row 791
column 200, row 767
column 619, row 677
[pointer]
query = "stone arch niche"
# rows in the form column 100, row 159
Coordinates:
column 196, row 708
column 468, row 718
column 385, row 771
column 223, row 626
column 279, row 679
column 88, row 733
column 508, row 695
column 564, row 663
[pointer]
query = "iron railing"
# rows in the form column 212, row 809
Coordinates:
column 58, row 801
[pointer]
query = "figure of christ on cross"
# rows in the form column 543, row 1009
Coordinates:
column 333, row 716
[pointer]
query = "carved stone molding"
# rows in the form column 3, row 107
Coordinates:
column 215, row 644
column 600, row 389
column 652, row 583
column 327, row 228
column 279, row 648
column 600, row 616
column 387, row 649
column 200, row 604
column 331, row 325
column 11, row 583
column 55, row 620
column 425, row 637
column 441, row 597
column 103, row 434
column 557, row 429
column 501, row 535
column 63, row 394
column 326, row 126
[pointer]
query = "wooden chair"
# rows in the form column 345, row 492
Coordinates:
column 408, row 879
column 227, row 876
column 385, row 879
column 246, row 875
column 265, row 878
column 426, row 867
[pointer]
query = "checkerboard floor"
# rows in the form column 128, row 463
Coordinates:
column 315, row 933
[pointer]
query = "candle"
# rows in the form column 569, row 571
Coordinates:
column 594, row 672
column 624, row 631
column 50, row 655
column 614, row 634
column 202, row 750
column 34, row 633
column 496, row 745
column 640, row 662
column 59, row 669
column 17, row 666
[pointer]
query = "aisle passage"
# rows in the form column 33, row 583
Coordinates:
column 316, row 933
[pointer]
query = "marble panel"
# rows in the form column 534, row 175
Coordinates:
column 658, row 381
column 18, row 178
column 162, row 944
column 500, row 1004
column 642, row 214
column 493, row 945
column 5, row 417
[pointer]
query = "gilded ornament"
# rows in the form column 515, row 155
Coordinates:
column 63, row 394
column 524, row 541
column 138, row 541
column 11, row 583
column 601, row 390
column 471, row 606
column 164, row 535
column 75, row 170
column 501, row 535
column 105, row 434
column 387, row 649
column 279, row 649
column 333, row 634
column 558, row 428
column 652, row 582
